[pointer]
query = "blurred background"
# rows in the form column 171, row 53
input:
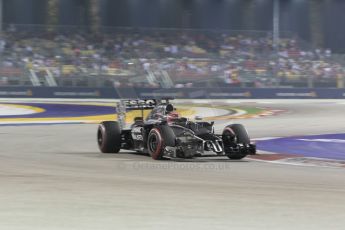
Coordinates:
column 172, row 43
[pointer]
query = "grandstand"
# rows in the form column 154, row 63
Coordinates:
column 79, row 56
column 159, row 58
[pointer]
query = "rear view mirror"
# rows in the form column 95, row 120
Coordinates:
column 198, row 118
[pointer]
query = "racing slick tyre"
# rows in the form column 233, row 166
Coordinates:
column 235, row 134
column 158, row 139
column 109, row 137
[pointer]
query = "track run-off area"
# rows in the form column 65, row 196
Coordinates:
column 53, row 177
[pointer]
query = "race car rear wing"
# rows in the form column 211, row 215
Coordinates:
column 139, row 104
column 136, row 104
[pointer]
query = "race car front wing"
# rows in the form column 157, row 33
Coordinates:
column 190, row 145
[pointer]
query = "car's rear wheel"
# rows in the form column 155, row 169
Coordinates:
column 232, row 135
column 109, row 137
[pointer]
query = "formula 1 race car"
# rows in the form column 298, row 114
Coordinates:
column 163, row 134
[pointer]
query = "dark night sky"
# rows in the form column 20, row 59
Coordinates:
column 201, row 14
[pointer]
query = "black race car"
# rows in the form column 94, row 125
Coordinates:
column 163, row 134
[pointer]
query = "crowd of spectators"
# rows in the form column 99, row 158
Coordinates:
column 188, row 57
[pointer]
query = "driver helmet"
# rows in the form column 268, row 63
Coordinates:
column 171, row 113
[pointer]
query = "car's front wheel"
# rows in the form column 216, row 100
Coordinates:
column 158, row 139
column 109, row 137
column 155, row 144
column 232, row 135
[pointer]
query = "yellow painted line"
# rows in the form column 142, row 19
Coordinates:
column 33, row 108
column 185, row 112
column 82, row 103
column 92, row 119
column 133, row 114
column 239, row 113
column 244, row 116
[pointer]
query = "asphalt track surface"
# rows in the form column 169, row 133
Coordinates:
column 53, row 177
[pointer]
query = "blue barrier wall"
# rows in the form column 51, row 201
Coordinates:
column 185, row 93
